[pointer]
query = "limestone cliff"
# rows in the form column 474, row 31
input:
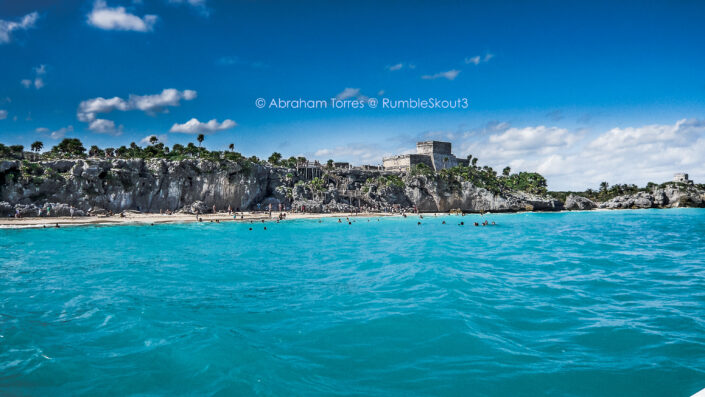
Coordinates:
column 97, row 185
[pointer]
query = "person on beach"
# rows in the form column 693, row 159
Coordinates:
column 230, row 210
column 48, row 210
column 71, row 211
column 214, row 211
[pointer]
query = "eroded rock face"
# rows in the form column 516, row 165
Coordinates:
column 432, row 194
column 98, row 186
column 575, row 202
column 136, row 184
column 670, row 196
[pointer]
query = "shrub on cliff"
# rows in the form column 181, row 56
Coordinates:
column 69, row 147
column 11, row 152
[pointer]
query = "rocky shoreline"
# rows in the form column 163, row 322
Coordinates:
column 99, row 186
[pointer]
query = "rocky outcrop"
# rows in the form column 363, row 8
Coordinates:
column 136, row 184
column 100, row 186
column 574, row 202
column 670, row 196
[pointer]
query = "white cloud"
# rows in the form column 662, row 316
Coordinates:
column 38, row 81
column 103, row 126
column 398, row 66
column 7, row 27
column 150, row 104
column 163, row 138
column 3, row 114
column 477, row 59
column 578, row 160
column 104, row 17
column 194, row 126
column 348, row 93
column 450, row 75
column 58, row 134
column 533, row 138
column 359, row 153
column 351, row 93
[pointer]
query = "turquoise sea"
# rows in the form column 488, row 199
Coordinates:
column 560, row 304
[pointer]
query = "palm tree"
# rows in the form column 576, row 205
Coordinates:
column 231, row 147
column 153, row 139
column 275, row 158
column 37, row 146
column 604, row 186
column 200, row 139
column 506, row 171
column 445, row 160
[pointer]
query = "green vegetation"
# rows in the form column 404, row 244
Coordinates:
column 487, row 178
column 69, row 147
column 385, row 180
column 605, row 192
column 13, row 152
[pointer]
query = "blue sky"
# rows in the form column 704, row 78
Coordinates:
column 608, row 91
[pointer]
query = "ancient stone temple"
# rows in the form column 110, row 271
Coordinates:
column 434, row 154
column 682, row 178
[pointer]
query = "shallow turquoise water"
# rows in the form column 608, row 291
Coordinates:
column 583, row 304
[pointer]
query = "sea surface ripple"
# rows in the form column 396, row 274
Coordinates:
column 561, row 304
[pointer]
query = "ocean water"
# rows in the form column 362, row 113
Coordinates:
column 560, row 304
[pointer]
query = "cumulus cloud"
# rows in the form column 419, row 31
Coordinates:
column 89, row 109
column 579, row 159
column 107, row 18
column 7, row 27
column 356, row 152
column 194, row 126
column 58, row 134
column 104, row 126
column 450, row 75
column 3, row 114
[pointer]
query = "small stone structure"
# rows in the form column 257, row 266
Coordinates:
column 434, row 154
column 682, row 178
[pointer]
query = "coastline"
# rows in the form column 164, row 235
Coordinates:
column 157, row 219
column 148, row 219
